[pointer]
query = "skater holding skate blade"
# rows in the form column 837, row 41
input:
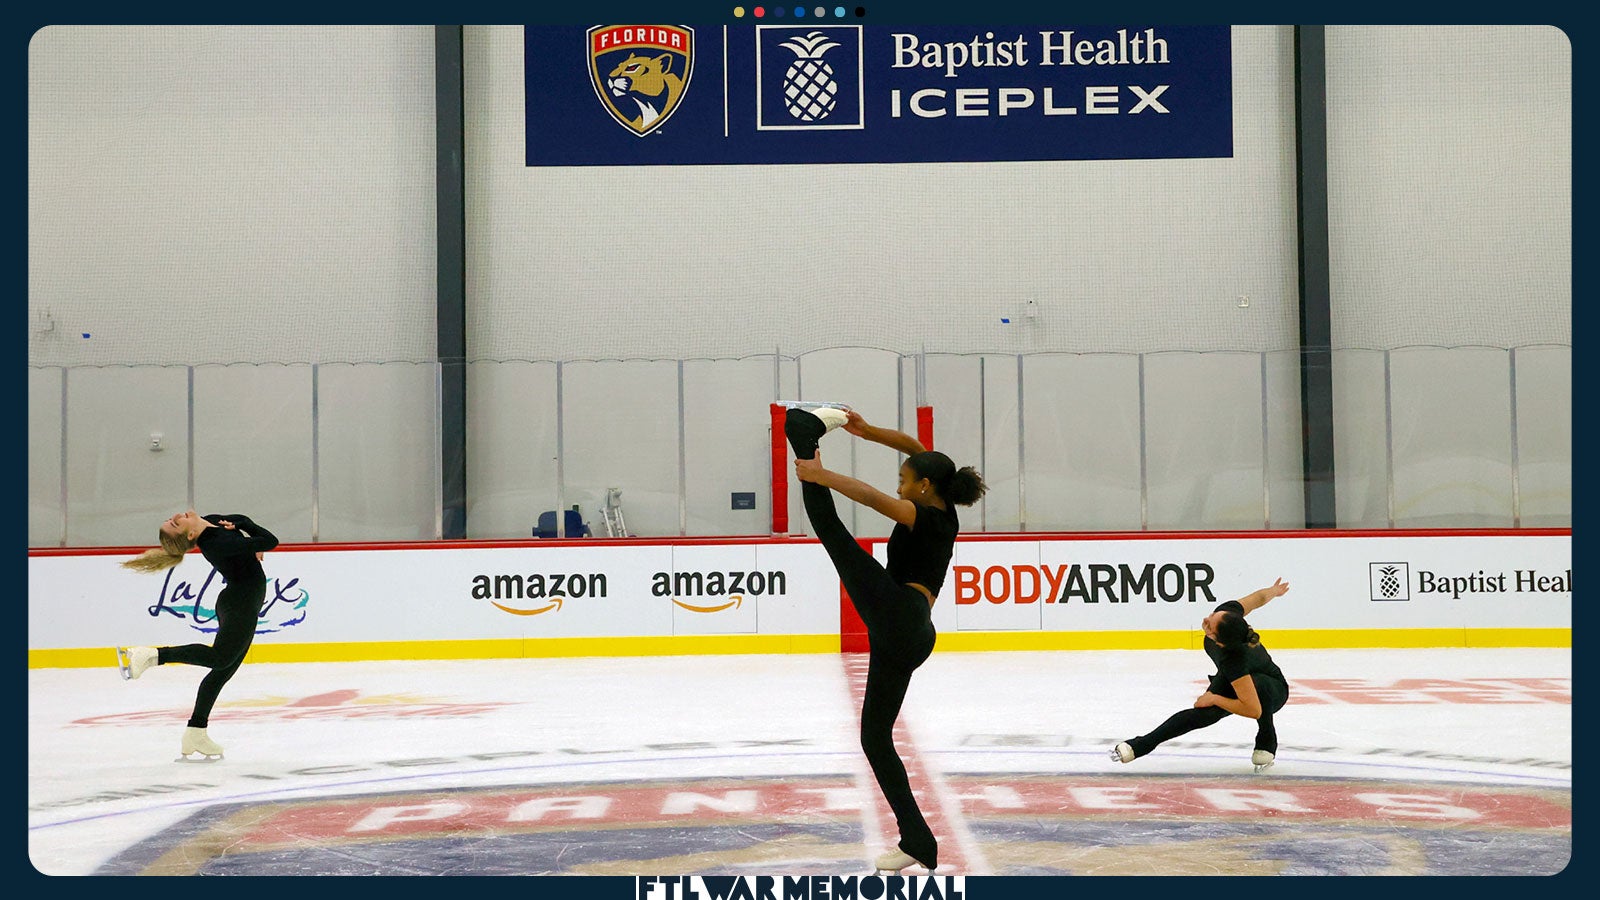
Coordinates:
column 895, row 601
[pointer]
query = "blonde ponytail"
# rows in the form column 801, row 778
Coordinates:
column 160, row 559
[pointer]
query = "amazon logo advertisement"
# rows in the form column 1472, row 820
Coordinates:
column 536, row 592
column 709, row 592
column 705, row 589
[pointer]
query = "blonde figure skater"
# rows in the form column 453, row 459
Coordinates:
column 233, row 544
column 895, row 602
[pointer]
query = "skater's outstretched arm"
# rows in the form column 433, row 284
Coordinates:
column 902, row 511
column 1254, row 601
column 1248, row 704
column 889, row 437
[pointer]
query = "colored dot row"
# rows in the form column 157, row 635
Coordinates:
column 800, row 12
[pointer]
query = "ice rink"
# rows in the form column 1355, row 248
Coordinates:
column 1391, row 762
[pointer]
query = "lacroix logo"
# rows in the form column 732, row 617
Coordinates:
column 1093, row 583
column 284, row 607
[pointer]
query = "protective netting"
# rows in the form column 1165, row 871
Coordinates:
column 1450, row 185
column 230, row 194
column 267, row 194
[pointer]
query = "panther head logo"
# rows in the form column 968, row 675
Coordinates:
column 649, row 83
column 640, row 72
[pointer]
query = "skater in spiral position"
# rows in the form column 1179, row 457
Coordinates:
column 1247, row 683
column 895, row 602
column 233, row 544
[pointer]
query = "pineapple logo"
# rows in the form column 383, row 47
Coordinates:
column 810, row 91
column 1389, row 584
column 809, row 78
column 1390, row 580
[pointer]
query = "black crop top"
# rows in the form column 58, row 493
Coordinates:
column 922, row 552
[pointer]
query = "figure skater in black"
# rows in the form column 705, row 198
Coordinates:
column 1247, row 683
column 894, row 602
column 233, row 544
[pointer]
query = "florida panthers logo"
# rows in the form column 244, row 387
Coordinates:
column 640, row 72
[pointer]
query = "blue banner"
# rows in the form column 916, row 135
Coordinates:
column 664, row 94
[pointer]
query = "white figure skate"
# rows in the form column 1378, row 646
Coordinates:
column 198, row 747
column 1262, row 760
column 803, row 429
column 133, row 661
column 812, row 405
column 892, row 862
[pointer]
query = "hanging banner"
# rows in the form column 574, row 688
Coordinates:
column 632, row 94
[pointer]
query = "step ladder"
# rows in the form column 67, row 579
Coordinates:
column 611, row 513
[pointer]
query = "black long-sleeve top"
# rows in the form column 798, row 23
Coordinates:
column 233, row 550
column 1234, row 663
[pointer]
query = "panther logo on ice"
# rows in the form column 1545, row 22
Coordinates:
column 640, row 72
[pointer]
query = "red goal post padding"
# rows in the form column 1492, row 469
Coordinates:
column 780, row 473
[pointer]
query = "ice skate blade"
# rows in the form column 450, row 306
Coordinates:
column 124, row 664
column 1262, row 760
column 811, row 404
column 198, row 757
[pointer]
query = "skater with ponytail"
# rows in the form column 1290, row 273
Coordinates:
column 1247, row 683
column 234, row 545
column 894, row 601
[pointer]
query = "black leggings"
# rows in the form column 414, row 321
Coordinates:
column 1272, row 692
column 900, row 635
column 238, row 610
